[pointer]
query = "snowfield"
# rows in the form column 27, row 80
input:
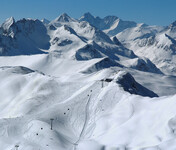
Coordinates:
column 71, row 85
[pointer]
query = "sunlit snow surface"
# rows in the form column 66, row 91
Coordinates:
column 98, row 94
column 109, row 118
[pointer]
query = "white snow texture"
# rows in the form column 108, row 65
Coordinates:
column 87, row 84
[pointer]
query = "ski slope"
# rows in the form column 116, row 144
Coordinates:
column 99, row 120
column 99, row 94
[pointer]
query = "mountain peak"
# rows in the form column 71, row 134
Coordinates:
column 8, row 22
column 64, row 18
column 89, row 18
column 65, row 15
column 45, row 21
column 11, row 19
column 111, row 17
column 111, row 25
column 172, row 25
column 88, row 14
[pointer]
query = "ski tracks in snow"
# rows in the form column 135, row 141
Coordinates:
column 85, row 122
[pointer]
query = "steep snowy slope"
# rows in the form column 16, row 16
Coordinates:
column 154, row 44
column 141, row 30
column 111, row 25
column 142, row 64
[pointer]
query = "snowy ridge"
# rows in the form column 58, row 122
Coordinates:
column 153, row 43
column 111, row 25
column 129, row 84
column 143, row 64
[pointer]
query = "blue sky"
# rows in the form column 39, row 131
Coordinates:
column 153, row 12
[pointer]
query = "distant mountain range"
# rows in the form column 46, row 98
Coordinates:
column 92, row 37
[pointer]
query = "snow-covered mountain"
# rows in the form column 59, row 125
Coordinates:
column 111, row 25
column 70, row 84
column 154, row 43
column 70, row 38
column 141, row 30
column 171, row 30
column 80, row 40
column 23, row 37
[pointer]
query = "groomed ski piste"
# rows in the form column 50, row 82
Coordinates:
column 98, row 94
